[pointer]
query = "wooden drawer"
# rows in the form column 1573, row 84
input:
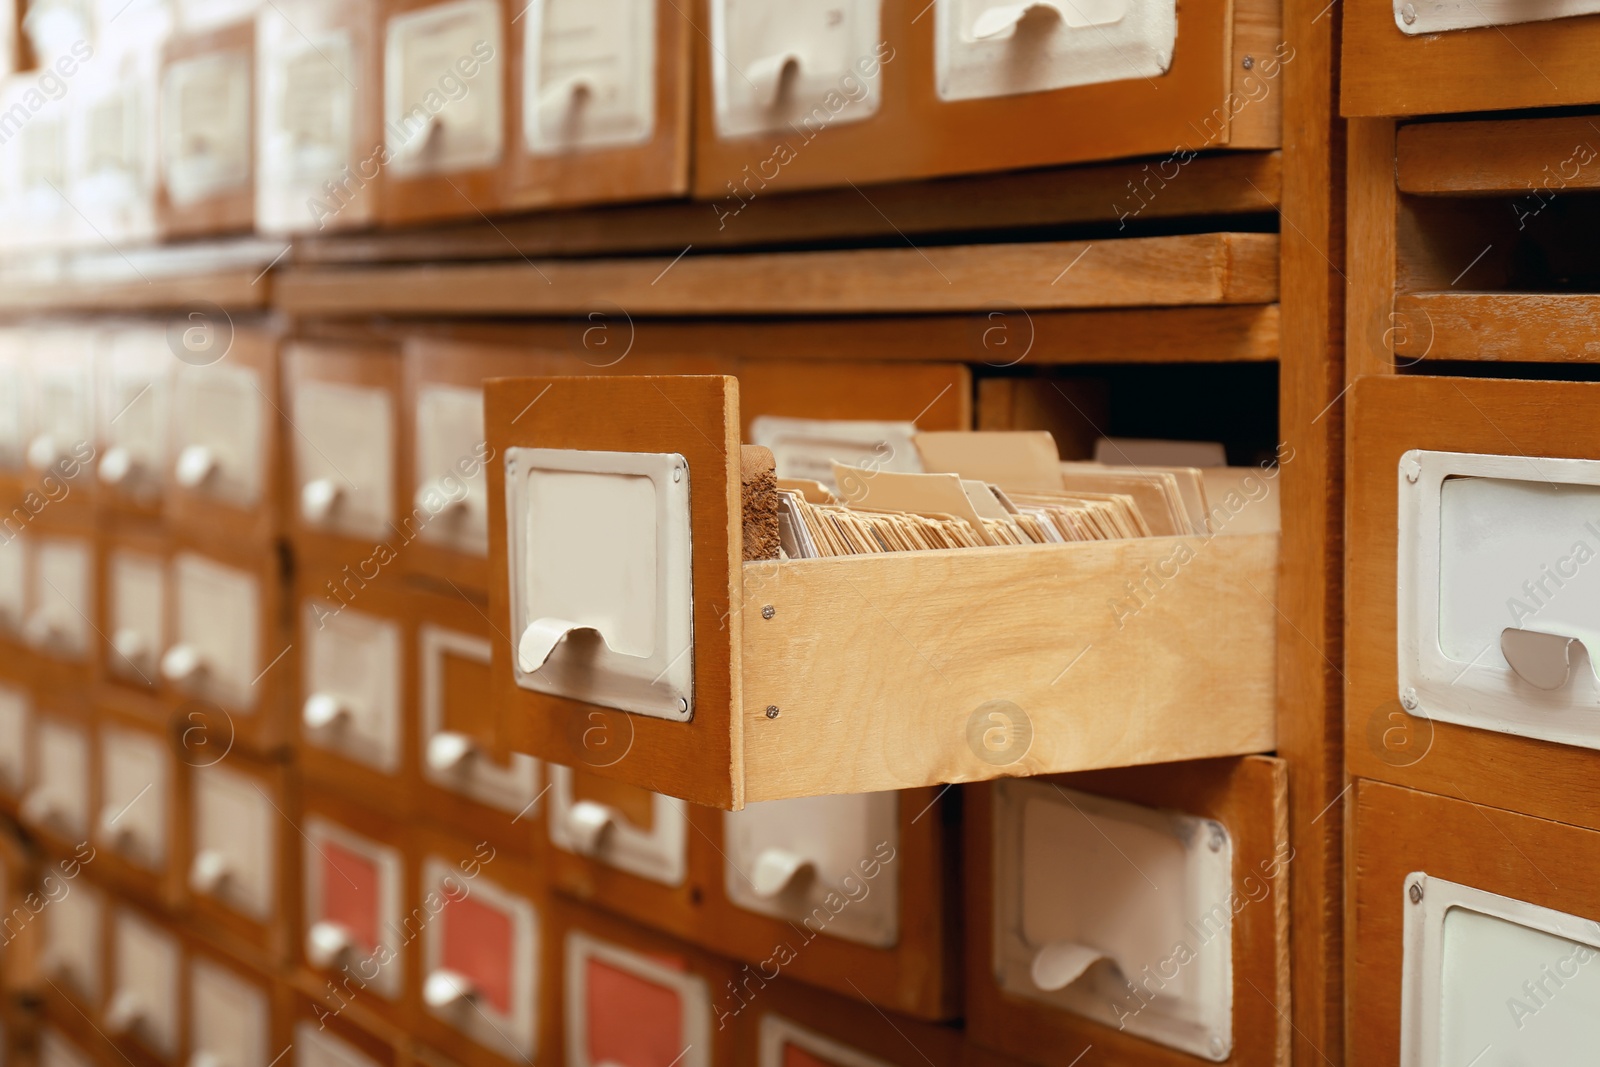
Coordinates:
column 465, row 783
column 355, row 888
column 785, row 1022
column 14, row 411
column 59, row 603
column 1467, row 228
column 131, row 617
column 344, row 487
column 240, row 864
column 1419, row 58
column 60, row 803
column 322, row 1038
column 354, row 700
column 1143, row 912
column 226, row 432
column 760, row 724
column 319, row 149
column 136, row 825
column 1506, row 900
column 624, row 994
column 234, row 1013
column 61, row 427
column 208, row 132
column 132, row 409
column 599, row 103
column 144, row 980
column 113, row 139
column 1469, row 526
column 71, row 945
column 447, row 121
column 480, row 937
column 229, row 668
column 873, row 92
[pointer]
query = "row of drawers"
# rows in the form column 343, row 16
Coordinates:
column 867, row 883
column 320, row 116
column 582, row 989
column 1469, row 719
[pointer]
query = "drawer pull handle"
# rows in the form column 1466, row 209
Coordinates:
column 42, row 452
column 587, row 823
column 453, row 505
column 1061, row 963
column 182, row 663
column 40, row 808
column 327, row 944
column 776, row 870
column 567, row 94
column 542, row 636
column 318, row 499
column 772, row 75
column 116, row 465
column 209, row 871
column 120, row 837
column 445, row 989
column 131, row 646
column 196, row 463
column 1542, row 660
column 124, row 1012
column 448, row 750
column 323, row 710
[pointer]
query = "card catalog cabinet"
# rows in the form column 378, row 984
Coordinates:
column 353, row 705
column 319, row 150
column 240, row 858
column 447, row 123
column 719, row 667
column 132, row 412
column 344, row 490
column 627, row 995
column 144, row 971
column 355, row 905
column 599, row 102
column 1470, row 613
column 1410, row 57
column 1472, row 933
column 62, row 430
column 480, row 937
column 1144, row 912
column 806, row 94
column 207, row 132
column 229, row 666
column 135, row 828
column 466, row 784
column 226, row 428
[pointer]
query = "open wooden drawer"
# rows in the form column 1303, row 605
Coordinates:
column 764, row 680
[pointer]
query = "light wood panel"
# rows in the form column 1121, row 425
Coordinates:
column 1509, row 327
column 1218, row 183
column 1533, row 64
column 1392, row 415
column 1221, row 268
column 1507, row 157
column 877, row 663
column 1372, row 326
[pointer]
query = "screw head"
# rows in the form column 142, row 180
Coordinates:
column 772, row 711
column 1411, row 469
column 1218, row 838
column 1249, row 61
column 1408, row 699
column 1414, row 891
column 768, row 611
column 677, row 474
column 1217, row 1047
column 1409, row 14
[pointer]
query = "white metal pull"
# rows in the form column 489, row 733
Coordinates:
column 182, row 663
column 195, row 464
column 587, row 823
column 776, row 870
column 445, row 988
column 542, row 636
column 1542, row 660
column 327, row 943
column 124, row 1012
column 318, row 499
column 116, row 465
column 448, row 750
column 209, row 871
column 1060, row 963
column 43, row 452
column 772, row 76
column 322, row 710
